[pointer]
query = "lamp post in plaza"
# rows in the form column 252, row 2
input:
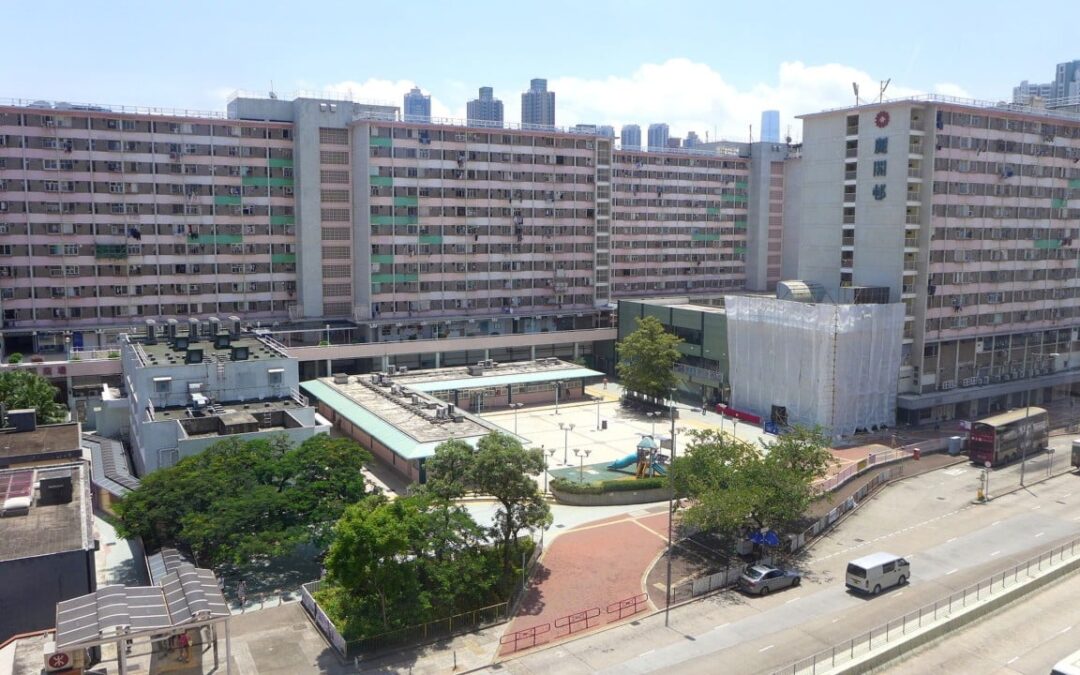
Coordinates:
column 515, row 407
column 567, row 428
column 547, row 452
column 581, row 454
column 558, row 386
column 671, row 510
column 652, row 419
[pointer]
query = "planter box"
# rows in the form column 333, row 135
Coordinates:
column 613, row 498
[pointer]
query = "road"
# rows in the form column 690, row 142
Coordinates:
column 1026, row 638
column 951, row 542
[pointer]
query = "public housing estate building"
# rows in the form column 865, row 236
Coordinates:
column 968, row 213
column 318, row 212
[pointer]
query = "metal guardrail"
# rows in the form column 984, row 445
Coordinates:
column 849, row 650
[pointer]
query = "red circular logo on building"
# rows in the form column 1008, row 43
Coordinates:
column 59, row 660
column 882, row 119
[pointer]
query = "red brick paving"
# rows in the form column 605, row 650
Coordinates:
column 589, row 568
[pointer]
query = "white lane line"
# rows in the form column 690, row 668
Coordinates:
column 897, row 595
column 1066, row 629
column 793, row 600
column 765, row 649
column 723, row 625
column 1015, row 658
column 1067, row 494
column 951, row 540
column 994, row 553
column 1036, row 507
column 994, row 523
column 951, row 572
column 836, row 619
column 1039, row 535
column 651, row 651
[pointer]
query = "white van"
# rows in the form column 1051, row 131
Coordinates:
column 872, row 573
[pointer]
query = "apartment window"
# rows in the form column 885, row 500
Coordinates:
column 162, row 385
column 881, row 146
column 5, row 249
column 275, row 376
column 880, row 167
column 116, row 188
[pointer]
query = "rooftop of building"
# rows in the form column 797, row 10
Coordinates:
column 45, row 529
column 492, row 374
column 223, row 348
column 397, row 410
column 219, row 409
column 975, row 104
column 409, row 430
column 703, row 303
column 45, row 442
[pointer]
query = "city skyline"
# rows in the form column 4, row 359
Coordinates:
column 687, row 84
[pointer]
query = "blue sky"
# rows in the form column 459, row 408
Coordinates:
column 709, row 66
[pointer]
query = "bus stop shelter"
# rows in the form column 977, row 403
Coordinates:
column 187, row 598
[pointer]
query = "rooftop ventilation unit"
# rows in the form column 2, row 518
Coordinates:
column 341, row 378
column 234, row 326
column 54, row 487
column 151, row 332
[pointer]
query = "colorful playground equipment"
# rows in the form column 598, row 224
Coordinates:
column 646, row 458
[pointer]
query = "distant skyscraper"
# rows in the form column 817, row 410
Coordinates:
column 692, row 140
column 538, row 104
column 658, row 135
column 606, row 130
column 630, row 137
column 486, row 111
column 1065, row 85
column 417, row 106
column 770, row 126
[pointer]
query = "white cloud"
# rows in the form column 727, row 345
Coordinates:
column 950, row 89
column 693, row 96
column 687, row 95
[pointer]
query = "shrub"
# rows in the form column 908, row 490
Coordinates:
column 114, row 355
column 15, row 358
column 605, row 486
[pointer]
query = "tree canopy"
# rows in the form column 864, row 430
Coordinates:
column 647, row 359
column 27, row 389
column 243, row 499
column 404, row 562
column 500, row 467
column 734, row 484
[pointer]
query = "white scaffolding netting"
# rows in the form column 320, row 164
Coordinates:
column 830, row 365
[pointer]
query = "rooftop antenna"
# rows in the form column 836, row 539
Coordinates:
column 272, row 94
column 855, row 87
column 751, row 133
column 884, row 86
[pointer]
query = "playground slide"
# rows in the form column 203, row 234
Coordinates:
column 624, row 462
column 659, row 469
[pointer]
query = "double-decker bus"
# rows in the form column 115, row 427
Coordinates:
column 1005, row 437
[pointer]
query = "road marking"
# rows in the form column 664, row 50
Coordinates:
column 1067, row 494
column 651, row 651
column 897, row 595
column 994, row 553
column 793, row 600
column 951, row 540
column 994, row 523
column 1066, row 629
column 836, row 619
column 1036, row 508
column 1015, row 658
column 765, row 649
column 1039, row 535
column 952, row 572
column 723, row 625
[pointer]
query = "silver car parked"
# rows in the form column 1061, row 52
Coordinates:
column 762, row 579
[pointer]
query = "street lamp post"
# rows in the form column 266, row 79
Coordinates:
column 652, row 419
column 598, row 399
column 581, row 454
column 515, row 407
column 558, row 386
column 567, row 428
column 671, row 511
column 547, row 453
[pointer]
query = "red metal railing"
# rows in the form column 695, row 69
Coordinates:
column 627, row 606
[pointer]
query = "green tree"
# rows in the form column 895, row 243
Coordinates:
column 403, row 562
column 647, row 359
column 244, row 499
column 499, row 467
column 26, row 389
column 733, row 484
